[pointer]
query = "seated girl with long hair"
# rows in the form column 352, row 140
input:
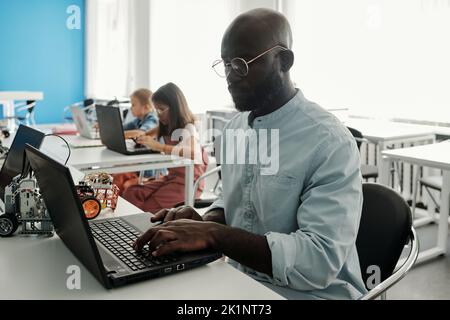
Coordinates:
column 144, row 119
column 177, row 129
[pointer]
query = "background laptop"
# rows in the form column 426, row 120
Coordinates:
column 103, row 245
column 84, row 127
column 12, row 166
column 112, row 134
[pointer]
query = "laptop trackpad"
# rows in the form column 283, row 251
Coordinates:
column 140, row 221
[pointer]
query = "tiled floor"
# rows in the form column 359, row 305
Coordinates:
column 428, row 280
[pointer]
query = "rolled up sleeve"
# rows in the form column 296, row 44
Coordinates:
column 328, row 219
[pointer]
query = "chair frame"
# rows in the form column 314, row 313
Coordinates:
column 380, row 290
column 202, row 177
column 418, row 185
column 397, row 275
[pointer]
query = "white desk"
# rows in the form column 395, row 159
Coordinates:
column 102, row 159
column 35, row 268
column 434, row 156
column 389, row 132
column 383, row 133
column 95, row 159
column 386, row 133
column 7, row 99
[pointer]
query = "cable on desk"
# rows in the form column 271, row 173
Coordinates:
column 67, row 144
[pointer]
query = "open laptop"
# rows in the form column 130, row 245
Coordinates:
column 84, row 126
column 103, row 245
column 13, row 164
column 112, row 134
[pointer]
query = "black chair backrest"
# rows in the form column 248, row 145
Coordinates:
column 357, row 134
column 384, row 229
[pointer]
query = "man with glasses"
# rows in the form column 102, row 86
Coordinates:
column 294, row 229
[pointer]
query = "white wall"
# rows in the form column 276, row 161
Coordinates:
column 108, row 44
column 140, row 77
column 245, row 5
column 386, row 58
column 185, row 40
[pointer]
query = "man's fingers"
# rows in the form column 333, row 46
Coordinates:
column 170, row 216
column 160, row 215
column 161, row 238
column 167, row 248
column 190, row 213
column 144, row 239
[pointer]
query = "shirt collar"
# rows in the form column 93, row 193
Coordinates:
column 299, row 98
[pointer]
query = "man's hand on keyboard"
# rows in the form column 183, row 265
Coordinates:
column 180, row 235
column 183, row 212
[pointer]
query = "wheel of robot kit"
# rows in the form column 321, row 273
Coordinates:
column 91, row 207
column 8, row 225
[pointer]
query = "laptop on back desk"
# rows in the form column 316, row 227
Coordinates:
column 112, row 134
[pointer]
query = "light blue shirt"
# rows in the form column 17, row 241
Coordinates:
column 309, row 210
column 149, row 122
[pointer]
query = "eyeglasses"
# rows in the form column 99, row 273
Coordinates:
column 239, row 65
column 159, row 111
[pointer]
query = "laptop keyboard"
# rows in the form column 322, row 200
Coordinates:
column 118, row 236
column 131, row 145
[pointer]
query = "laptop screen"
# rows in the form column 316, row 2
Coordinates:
column 14, row 160
column 77, row 115
column 111, row 128
column 58, row 190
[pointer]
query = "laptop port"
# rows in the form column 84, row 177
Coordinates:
column 180, row 267
column 167, row 270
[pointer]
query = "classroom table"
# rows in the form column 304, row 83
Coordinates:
column 435, row 156
column 385, row 133
column 101, row 159
column 34, row 267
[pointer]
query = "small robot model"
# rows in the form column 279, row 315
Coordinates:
column 3, row 149
column 24, row 206
column 97, row 192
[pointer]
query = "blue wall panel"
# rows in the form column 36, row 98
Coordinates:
column 38, row 52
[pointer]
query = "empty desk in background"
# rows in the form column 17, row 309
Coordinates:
column 383, row 134
column 8, row 98
column 435, row 156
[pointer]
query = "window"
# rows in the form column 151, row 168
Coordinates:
column 147, row 43
column 185, row 40
column 384, row 58
column 108, row 47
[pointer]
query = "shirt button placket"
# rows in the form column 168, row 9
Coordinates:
column 248, row 214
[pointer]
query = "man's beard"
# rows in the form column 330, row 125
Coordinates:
column 263, row 94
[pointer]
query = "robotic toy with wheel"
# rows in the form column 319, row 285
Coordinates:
column 97, row 192
column 24, row 206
